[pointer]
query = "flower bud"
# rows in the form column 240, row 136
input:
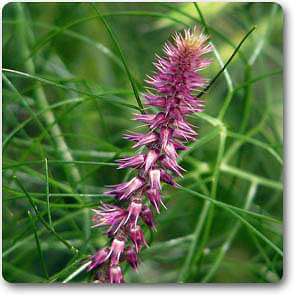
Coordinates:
column 155, row 199
column 134, row 210
column 115, row 275
column 132, row 162
column 151, row 158
column 137, row 237
column 117, row 248
column 165, row 136
column 154, row 176
column 98, row 258
column 124, row 190
column 147, row 217
column 132, row 257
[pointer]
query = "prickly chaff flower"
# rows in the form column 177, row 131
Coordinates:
column 174, row 85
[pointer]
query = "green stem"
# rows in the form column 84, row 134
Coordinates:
column 43, row 104
column 218, row 57
column 206, row 213
column 226, row 245
column 213, row 193
column 227, row 62
column 38, row 245
column 71, row 170
column 67, row 244
column 251, row 177
column 248, row 99
column 48, row 193
column 76, row 272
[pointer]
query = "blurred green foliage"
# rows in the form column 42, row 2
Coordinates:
column 66, row 97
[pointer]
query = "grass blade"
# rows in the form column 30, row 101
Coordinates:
column 62, row 86
column 230, row 207
column 38, row 245
column 76, row 272
column 226, row 64
column 115, row 41
column 47, row 193
column 66, row 243
column 251, row 177
column 233, row 210
column 205, row 216
column 226, row 245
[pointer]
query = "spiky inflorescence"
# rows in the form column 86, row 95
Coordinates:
column 174, row 83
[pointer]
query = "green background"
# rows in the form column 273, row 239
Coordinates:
column 66, row 97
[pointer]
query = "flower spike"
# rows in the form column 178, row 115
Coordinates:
column 172, row 91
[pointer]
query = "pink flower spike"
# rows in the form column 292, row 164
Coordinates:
column 115, row 275
column 171, row 98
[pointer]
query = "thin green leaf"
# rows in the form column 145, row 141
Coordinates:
column 227, row 63
column 66, row 243
column 76, row 272
column 47, row 193
column 62, row 86
column 251, row 177
column 38, row 245
column 226, row 245
column 115, row 41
